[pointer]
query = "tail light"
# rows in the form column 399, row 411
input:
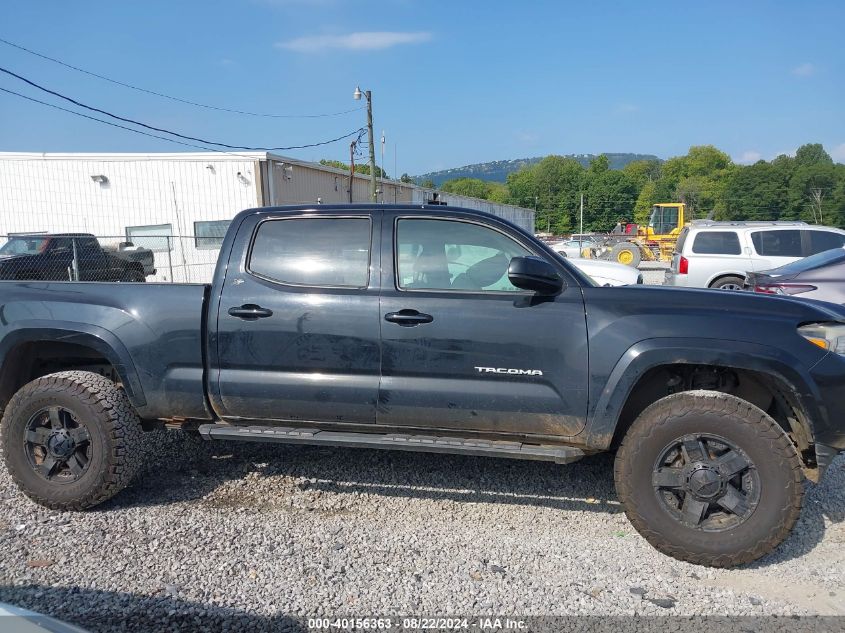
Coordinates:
column 683, row 266
column 783, row 289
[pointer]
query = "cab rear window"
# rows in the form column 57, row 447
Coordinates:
column 716, row 243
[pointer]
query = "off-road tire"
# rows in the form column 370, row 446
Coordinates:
column 631, row 249
column 728, row 283
column 754, row 432
column 115, row 434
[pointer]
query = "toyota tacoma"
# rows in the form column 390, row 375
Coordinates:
column 428, row 328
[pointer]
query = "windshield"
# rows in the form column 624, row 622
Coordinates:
column 23, row 246
column 663, row 219
column 819, row 260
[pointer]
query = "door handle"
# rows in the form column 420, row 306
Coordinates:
column 408, row 318
column 250, row 312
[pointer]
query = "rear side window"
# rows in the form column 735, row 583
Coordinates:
column 777, row 243
column 331, row 252
column 716, row 243
column 821, row 241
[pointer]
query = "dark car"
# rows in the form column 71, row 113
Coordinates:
column 820, row 276
column 430, row 328
column 70, row 257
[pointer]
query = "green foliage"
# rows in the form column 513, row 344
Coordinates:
column 428, row 183
column 473, row 187
column 808, row 186
column 359, row 169
column 406, row 178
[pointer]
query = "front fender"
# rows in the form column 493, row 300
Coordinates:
column 99, row 339
column 650, row 353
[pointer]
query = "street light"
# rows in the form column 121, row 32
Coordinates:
column 369, row 95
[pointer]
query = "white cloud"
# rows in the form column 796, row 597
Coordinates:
column 804, row 70
column 838, row 153
column 361, row 41
column 749, row 156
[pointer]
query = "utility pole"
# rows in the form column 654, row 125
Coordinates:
column 817, row 195
column 369, row 95
column 382, row 167
column 351, row 169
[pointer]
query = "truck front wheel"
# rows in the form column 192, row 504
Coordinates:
column 709, row 478
column 71, row 440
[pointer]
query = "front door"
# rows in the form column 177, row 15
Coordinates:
column 297, row 334
column 462, row 348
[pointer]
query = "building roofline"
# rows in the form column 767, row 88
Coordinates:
column 118, row 156
column 230, row 156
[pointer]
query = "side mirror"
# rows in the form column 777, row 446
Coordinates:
column 533, row 273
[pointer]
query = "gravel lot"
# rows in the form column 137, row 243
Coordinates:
column 231, row 536
column 239, row 536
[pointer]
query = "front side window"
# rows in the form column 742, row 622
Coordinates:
column 453, row 255
column 332, row 252
column 777, row 243
column 716, row 243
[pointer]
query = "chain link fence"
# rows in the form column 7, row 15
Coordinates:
column 86, row 257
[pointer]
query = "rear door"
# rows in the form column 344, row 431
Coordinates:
column 462, row 348
column 776, row 247
column 715, row 253
column 297, row 334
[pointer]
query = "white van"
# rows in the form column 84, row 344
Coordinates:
column 718, row 254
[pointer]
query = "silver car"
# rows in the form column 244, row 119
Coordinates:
column 820, row 276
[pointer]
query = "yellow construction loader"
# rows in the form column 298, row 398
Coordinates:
column 630, row 244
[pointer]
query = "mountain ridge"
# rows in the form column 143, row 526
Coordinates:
column 498, row 170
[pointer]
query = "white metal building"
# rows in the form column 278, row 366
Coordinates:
column 179, row 204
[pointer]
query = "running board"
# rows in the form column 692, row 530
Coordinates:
column 395, row 441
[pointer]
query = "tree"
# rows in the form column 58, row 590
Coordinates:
column 642, row 171
column 472, row 187
column 645, row 200
column 428, row 183
column 610, row 198
column 812, row 154
column 406, row 178
column 363, row 168
column 498, row 193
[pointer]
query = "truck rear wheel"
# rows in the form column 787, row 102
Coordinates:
column 709, row 478
column 71, row 440
column 626, row 253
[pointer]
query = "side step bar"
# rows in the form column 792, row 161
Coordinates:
column 395, row 441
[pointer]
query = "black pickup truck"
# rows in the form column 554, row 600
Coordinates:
column 71, row 257
column 443, row 330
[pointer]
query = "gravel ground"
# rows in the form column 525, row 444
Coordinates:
column 235, row 536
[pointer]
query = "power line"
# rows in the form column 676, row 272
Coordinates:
column 123, row 127
column 172, row 98
column 166, row 131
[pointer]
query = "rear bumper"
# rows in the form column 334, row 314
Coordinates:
column 674, row 279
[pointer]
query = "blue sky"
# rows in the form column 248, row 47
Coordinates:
column 453, row 82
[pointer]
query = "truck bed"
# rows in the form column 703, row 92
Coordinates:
column 158, row 329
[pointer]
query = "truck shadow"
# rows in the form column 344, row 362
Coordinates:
column 187, row 469
column 183, row 468
column 104, row 611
